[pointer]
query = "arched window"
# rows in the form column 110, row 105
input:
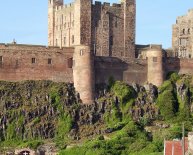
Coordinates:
column 183, row 31
column 188, row 31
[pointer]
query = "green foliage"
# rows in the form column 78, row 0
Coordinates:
column 31, row 144
column 166, row 101
column 173, row 76
column 123, row 91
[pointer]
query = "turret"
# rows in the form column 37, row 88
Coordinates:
column 83, row 73
column 129, row 16
column 52, row 4
column 155, row 73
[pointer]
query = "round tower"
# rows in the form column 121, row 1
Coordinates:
column 83, row 73
column 155, row 73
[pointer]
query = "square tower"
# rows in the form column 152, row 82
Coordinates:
column 182, row 36
column 109, row 30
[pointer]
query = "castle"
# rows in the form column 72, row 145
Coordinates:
column 89, row 43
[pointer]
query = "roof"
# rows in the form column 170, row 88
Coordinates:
column 175, row 147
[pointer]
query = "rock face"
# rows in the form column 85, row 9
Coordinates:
column 28, row 110
column 47, row 110
column 144, row 105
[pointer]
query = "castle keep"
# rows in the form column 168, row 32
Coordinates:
column 107, row 30
column 90, row 42
column 182, row 37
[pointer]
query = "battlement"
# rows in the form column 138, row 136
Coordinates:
column 24, row 47
column 106, row 4
column 65, row 6
column 188, row 15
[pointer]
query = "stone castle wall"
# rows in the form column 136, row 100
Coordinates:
column 29, row 62
column 130, row 72
column 181, row 66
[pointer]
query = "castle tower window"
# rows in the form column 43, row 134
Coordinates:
column 73, row 23
column 70, row 62
column 81, row 52
column 56, row 42
column 64, row 40
column 183, row 31
column 33, row 61
column 72, row 39
column 49, row 61
column 62, row 19
column 1, row 60
column 183, row 42
column 188, row 31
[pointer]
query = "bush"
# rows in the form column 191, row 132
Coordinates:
column 123, row 91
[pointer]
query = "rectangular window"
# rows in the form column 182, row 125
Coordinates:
column 183, row 42
column 72, row 39
column 1, row 61
column 49, row 61
column 70, row 62
column 33, row 60
column 56, row 42
column 64, row 40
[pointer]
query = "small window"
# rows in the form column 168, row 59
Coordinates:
column 49, row 61
column 72, row 39
column 56, row 42
column 188, row 31
column 70, row 62
column 33, row 60
column 73, row 23
column 183, row 31
column 81, row 52
column 64, row 40
column 1, row 59
column 62, row 18
column 154, row 59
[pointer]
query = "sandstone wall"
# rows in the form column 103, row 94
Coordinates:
column 130, row 72
column 182, row 40
column 27, row 62
column 113, row 29
column 182, row 66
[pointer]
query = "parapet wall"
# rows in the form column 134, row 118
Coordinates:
column 31, row 62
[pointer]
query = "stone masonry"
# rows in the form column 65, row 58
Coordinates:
column 182, row 37
column 109, row 30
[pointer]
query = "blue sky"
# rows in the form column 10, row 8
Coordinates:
column 26, row 20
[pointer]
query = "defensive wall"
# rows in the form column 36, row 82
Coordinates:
column 181, row 66
column 31, row 62
column 129, row 71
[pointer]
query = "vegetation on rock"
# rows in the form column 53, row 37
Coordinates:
column 123, row 120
